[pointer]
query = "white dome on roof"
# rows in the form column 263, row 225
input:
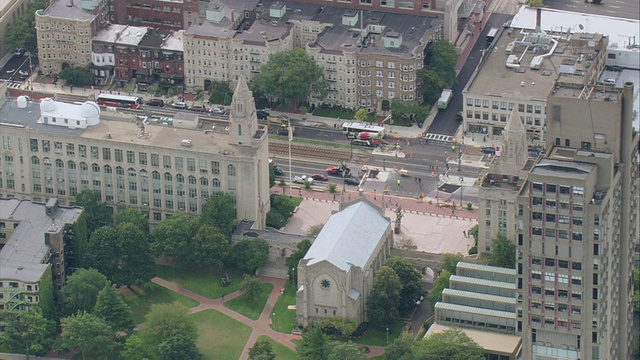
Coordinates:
column 47, row 105
column 90, row 111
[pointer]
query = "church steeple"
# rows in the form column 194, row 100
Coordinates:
column 514, row 152
column 243, row 122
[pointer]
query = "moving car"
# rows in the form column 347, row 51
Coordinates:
column 262, row 115
column 352, row 181
column 198, row 108
column 319, row 177
column 217, row 110
column 302, row 179
column 488, row 150
column 277, row 170
column 335, row 170
column 155, row 102
column 179, row 105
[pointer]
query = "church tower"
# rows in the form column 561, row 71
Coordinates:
column 514, row 151
column 243, row 122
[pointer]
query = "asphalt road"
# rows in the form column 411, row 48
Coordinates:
column 445, row 122
column 628, row 9
column 11, row 68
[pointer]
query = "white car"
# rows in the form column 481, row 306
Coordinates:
column 302, row 179
column 179, row 105
column 217, row 110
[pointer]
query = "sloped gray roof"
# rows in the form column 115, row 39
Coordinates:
column 350, row 236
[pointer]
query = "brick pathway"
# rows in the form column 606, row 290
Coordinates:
column 260, row 327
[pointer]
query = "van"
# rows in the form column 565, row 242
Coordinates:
column 155, row 102
column 186, row 142
column 609, row 81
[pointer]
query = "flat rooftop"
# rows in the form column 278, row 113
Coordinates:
column 493, row 342
column 559, row 167
column 496, row 79
column 594, row 93
column 60, row 9
column 124, row 130
column 121, row 34
column 500, row 181
column 23, row 255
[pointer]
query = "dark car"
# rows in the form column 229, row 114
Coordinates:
column 262, row 115
column 277, row 170
column 459, row 116
column 488, row 150
column 320, row 177
column 19, row 53
column 352, row 181
column 155, row 102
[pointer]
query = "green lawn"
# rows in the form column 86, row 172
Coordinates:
column 281, row 352
column 378, row 337
column 141, row 300
column 300, row 140
column 202, row 283
column 284, row 319
column 220, row 337
column 252, row 309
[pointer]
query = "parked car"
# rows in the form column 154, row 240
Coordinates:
column 277, row 170
column 352, row 181
column 334, row 170
column 155, row 102
column 179, row 105
column 217, row 110
column 302, row 179
column 262, row 115
column 198, row 108
column 19, row 53
column 319, row 177
column 459, row 116
column 488, row 150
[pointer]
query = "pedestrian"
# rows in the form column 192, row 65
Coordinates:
column 464, row 232
column 420, row 180
column 415, row 179
column 398, row 182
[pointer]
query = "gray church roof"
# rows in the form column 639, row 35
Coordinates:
column 350, row 236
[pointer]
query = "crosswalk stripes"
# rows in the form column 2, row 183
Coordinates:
column 438, row 137
column 14, row 85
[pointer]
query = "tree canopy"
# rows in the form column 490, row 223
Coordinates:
column 400, row 349
column 88, row 333
column 384, row 299
column 97, row 212
column 439, row 69
column 28, row 333
column 449, row 344
column 134, row 216
column 439, row 284
column 111, row 307
column 76, row 76
column 313, row 345
column 250, row 254
column 292, row 261
column 220, row 211
column 22, row 34
column 210, row 247
column 250, row 287
column 171, row 332
column 220, row 92
column 410, row 278
column 172, row 237
column 262, row 350
column 346, row 350
column 503, row 252
column 291, row 76
column 450, row 261
column 81, row 291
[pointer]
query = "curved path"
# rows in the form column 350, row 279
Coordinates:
column 259, row 327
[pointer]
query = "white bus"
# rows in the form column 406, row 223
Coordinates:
column 132, row 102
column 445, row 99
column 493, row 32
column 355, row 128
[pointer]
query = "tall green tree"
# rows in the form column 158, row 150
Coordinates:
column 76, row 76
column 384, row 299
column 137, row 347
column 346, row 350
column 210, row 247
column 439, row 69
column 134, row 216
column 262, row 350
column 250, row 287
column 400, row 349
column 450, row 344
column 28, row 332
column 220, row 93
column 220, row 211
column 450, row 261
column 503, row 252
column 87, row 333
column 102, row 251
column 291, row 77
column 410, row 278
column 171, row 331
column 250, row 254
column 313, row 345
column 111, row 307
column 439, row 284
column 22, row 34
column 98, row 214
column 82, row 289
column 173, row 236
column 292, row 261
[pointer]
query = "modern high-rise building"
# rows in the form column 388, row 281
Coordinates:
column 55, row 149
column 576, row 222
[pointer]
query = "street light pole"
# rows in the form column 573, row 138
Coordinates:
column 290, row 133
column 387, row 335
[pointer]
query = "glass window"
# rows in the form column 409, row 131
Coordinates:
column 551, row 188
column 155, row 160
column 550, row 204
column 536, row 261
column 577, row 221
column 576, row 266
column 550, row 262
column 563, row 234
column 131, row 157
column 106, row 153
column 536, row 186
column 118, row 155
column 564, row 190
column 577, row 207
column 142, row 158
column 536, row 274
column 578, row 191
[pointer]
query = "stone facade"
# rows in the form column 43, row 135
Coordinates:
column 336, row 275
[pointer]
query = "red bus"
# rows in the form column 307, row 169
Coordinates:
column 132, row 102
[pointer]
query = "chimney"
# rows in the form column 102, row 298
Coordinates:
column 538, row 20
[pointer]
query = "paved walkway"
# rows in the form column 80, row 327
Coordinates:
column 259, row 327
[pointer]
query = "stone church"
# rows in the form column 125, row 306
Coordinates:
column 336, row 275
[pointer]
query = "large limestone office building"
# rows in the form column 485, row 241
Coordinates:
column 574, row 224
column 55, row 149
